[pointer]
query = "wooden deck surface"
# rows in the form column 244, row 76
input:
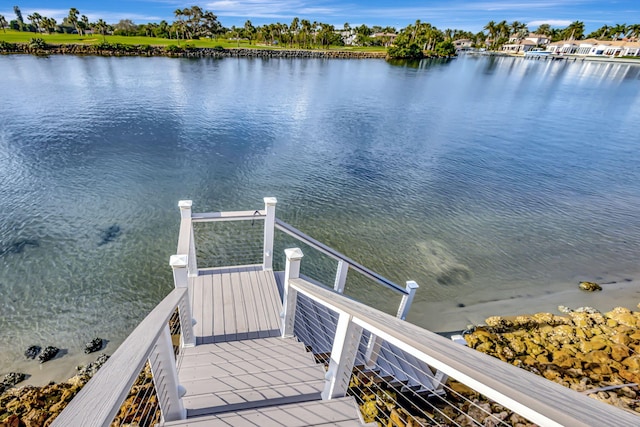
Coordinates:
column 235, row 304
column 337, row 412
column 240, row 362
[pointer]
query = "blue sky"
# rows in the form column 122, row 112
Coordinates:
column 469, row 15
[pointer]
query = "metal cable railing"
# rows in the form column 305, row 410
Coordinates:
column 408, row 376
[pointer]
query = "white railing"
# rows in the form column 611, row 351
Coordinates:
column 539, row 400
column 97, row 404
column 271, row 223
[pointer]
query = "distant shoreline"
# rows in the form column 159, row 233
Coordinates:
column 184, row 52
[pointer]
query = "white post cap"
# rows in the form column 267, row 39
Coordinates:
column 293, row 254
column 412, row 285
column 185, row 204
column 178, row 261
column 270, row 201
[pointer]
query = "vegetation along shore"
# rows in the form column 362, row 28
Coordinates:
column 196, row 28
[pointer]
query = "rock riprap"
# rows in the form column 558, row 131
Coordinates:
column 32, row 406
column 48, row 353
column 584, row 350
column 589, row 286
column 32, row 351
column 93, row 345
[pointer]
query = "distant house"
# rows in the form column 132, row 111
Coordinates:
column 520, row 46
column 387, row 38
column 463, row 44
column 348, row 36
column 538, row 39
column 593, row 47
column 564, row 47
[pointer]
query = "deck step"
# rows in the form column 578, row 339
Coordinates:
column 248, row 374
column 335, row 412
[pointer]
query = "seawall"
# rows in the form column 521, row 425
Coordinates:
column 105, row 49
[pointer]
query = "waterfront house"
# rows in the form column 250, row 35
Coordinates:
column 594, row 47
column 520, row 46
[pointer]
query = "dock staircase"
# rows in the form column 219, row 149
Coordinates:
column 241, row 372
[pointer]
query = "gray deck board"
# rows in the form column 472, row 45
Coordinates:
column 336, row 412
column 240, row 361
column 235, row 304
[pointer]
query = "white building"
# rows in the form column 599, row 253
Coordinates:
column 593, row 47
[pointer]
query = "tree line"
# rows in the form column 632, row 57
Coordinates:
column 411, row 41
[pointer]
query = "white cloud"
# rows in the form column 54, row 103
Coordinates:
column 551, row 22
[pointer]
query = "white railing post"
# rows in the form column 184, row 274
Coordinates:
column 180, row 279
column 341, row 276
column 343, row 355
column 185, row 215
column 374, row 344
column 269, row 224
column 405, row 304
column 290, row 295
column 178, row 264
column 165, row 378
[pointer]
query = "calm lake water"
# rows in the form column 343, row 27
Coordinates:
column 475, row 177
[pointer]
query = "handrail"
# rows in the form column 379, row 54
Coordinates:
column 533, row 397
column 292, row 231
column 98, row 402
column 228, row 216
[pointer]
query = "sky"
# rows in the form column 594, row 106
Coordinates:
column 470, row 15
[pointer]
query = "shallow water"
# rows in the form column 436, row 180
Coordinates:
column 478, row 177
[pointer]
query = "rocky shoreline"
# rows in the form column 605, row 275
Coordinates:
column 594, row 353
column 184, row 51
column 32, row 406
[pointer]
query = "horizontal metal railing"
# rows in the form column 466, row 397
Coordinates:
column 294, row 232
column 411, row 348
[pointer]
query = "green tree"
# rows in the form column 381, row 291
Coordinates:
column 125, row 27
column 544, row 29
column 249, row 31
column 3, row 23
column 634, row 31
column 602, row 33
column 294, row 27
column 575, row 31
column 49, row 24
column 102, row 28
column 619, row 31
column 445, row 48
column 210, row 26
column 492, row 29
column 36, row 20
column 84, row 23
column 72, row 19
column 178, row 25
column 19, row 18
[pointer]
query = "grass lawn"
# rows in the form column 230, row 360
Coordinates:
column 13, row 36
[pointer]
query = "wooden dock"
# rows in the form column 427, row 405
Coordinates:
column 241, row 371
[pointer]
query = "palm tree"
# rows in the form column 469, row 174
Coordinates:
column 633, row 31
column 519, row 29
column 618, row 31
column 293, row 31
column 73, row 19
column 178, row 25
column 544, row 29
column 3, row 23
column 574, row 31
column 36, row 20
column 85, row 23
column 101, row 26
column 492, row 30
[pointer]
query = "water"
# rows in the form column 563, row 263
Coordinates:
column 477, row 178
